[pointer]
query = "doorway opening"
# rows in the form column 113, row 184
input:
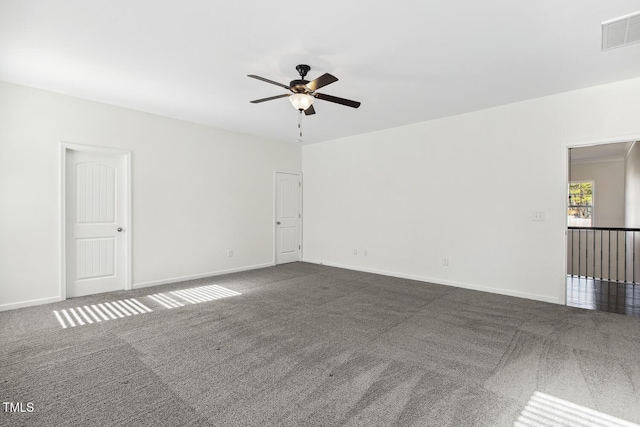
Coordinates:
column 603, row 227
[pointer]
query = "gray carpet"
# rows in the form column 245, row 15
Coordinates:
column 317, row 346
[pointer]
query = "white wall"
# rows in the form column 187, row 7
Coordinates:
column 632, row 182
column 608, row 196
column 197, row 191
column 462, row 187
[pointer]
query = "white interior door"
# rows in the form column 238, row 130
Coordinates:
column 288, row 217
column 96, row 197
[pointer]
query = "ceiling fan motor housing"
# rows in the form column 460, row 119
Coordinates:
column 299, row 86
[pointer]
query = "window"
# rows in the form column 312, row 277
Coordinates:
column 580, row 208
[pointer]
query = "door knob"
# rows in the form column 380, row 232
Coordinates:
column 119, row 229
column 278, row 222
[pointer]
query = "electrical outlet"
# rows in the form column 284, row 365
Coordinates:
column 445, row 262
column 230, row 253
column 355, row 252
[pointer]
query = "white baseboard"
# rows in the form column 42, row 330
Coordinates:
column 200, row 276
column 536, row 297
column 22, row 304
column 41, row 301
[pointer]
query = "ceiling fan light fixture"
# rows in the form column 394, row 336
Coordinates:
column 301, row 101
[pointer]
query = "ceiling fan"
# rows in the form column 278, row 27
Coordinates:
column 303, row 92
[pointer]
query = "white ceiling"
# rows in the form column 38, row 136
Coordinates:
column 406, row 61
column 602, row 152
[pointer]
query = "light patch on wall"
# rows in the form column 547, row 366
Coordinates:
column 545, row 410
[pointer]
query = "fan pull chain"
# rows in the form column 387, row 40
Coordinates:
column 300, row 123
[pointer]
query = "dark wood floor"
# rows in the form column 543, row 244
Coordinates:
column 601, row 295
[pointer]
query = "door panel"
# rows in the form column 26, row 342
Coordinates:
column 95, row 193
column 95, row 222
column 95, row 258
column 288, row 189
column 288, row 217
column 288, row 243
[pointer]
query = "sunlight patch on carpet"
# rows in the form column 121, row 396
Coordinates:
column 101, row 312
column 86, row 315
column 166, row 301
column 549, row 411
column 204, row 293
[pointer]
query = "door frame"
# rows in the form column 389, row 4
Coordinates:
column 562, row 295
column 65, row 147
column 275, row 213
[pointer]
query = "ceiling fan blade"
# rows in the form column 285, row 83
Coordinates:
column 309, row 111
column 268, row 81
column 321, row 81
column 257, row 101
column 342, row 101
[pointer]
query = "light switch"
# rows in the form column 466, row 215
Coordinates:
column 537, row 216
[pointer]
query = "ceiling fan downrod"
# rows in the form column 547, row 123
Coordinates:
column 300, row 122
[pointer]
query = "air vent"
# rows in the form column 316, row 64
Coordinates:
column 621, row 31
